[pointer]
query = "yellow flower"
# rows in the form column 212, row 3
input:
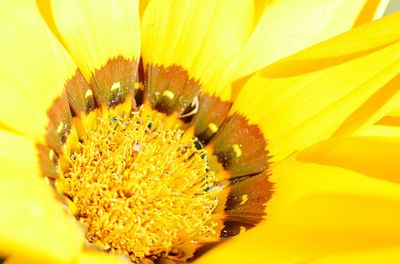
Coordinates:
column 120, row 130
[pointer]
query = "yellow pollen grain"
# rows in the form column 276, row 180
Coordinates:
column 245, row 197
column 60, row 127
column 51, row 155
column 115, row 86
column 138, row 85
column 237, row 150
column 46, row 180
column 213, row 127
column 71, row 206
column 88, row 93
column 169, row 94
column 141, row 189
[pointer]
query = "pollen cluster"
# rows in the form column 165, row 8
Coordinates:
column 139, row 188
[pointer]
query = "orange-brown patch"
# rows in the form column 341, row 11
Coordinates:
column 114, row 82
column 169, row 89
column 48, row 161
column 240, row 147
column 211, row 114
column 80, row 96
column 60, row 123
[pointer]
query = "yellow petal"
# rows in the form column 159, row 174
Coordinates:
column 85, row 257
column 350, row 45
column 299, row 110
column 373, row 109
column 316, row 211
column 33, row 224
column 33, row 69
column 201, row 36
column 373, row 156
column 296, row 180
column 394, row 115
column 395, row 112
column 380, row 130
column 142, row 6
column 44, row 7
column 92, row 257
column 17, row 148
column 288, row 26
column 259, row 7
column 97, row 31
column 373, row 9
column 385, row 255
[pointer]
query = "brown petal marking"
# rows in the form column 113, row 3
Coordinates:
column 80, row 96
column 113, row 83
column 48, row 161
column 247, row 199
column 139, row 87
column 234, row 228
column 202, row 249
column 230, row 229
column 60, row 123
column 211, row 114
column 240, row 147
column 169, row 89
column 239, row 153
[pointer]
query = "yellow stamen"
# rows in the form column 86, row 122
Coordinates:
column 139, row 188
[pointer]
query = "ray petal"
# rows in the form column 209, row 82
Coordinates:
column 380, row 153
column 103, row 37
column 93, row 257
column 386, row 255
column 35, row 225
column 33, row 69
column 200, row 36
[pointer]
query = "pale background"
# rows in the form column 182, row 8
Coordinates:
column 393, row 6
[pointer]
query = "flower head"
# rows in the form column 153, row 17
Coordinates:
column 154, row 131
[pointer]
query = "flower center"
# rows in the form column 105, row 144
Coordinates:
column 140, row 188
